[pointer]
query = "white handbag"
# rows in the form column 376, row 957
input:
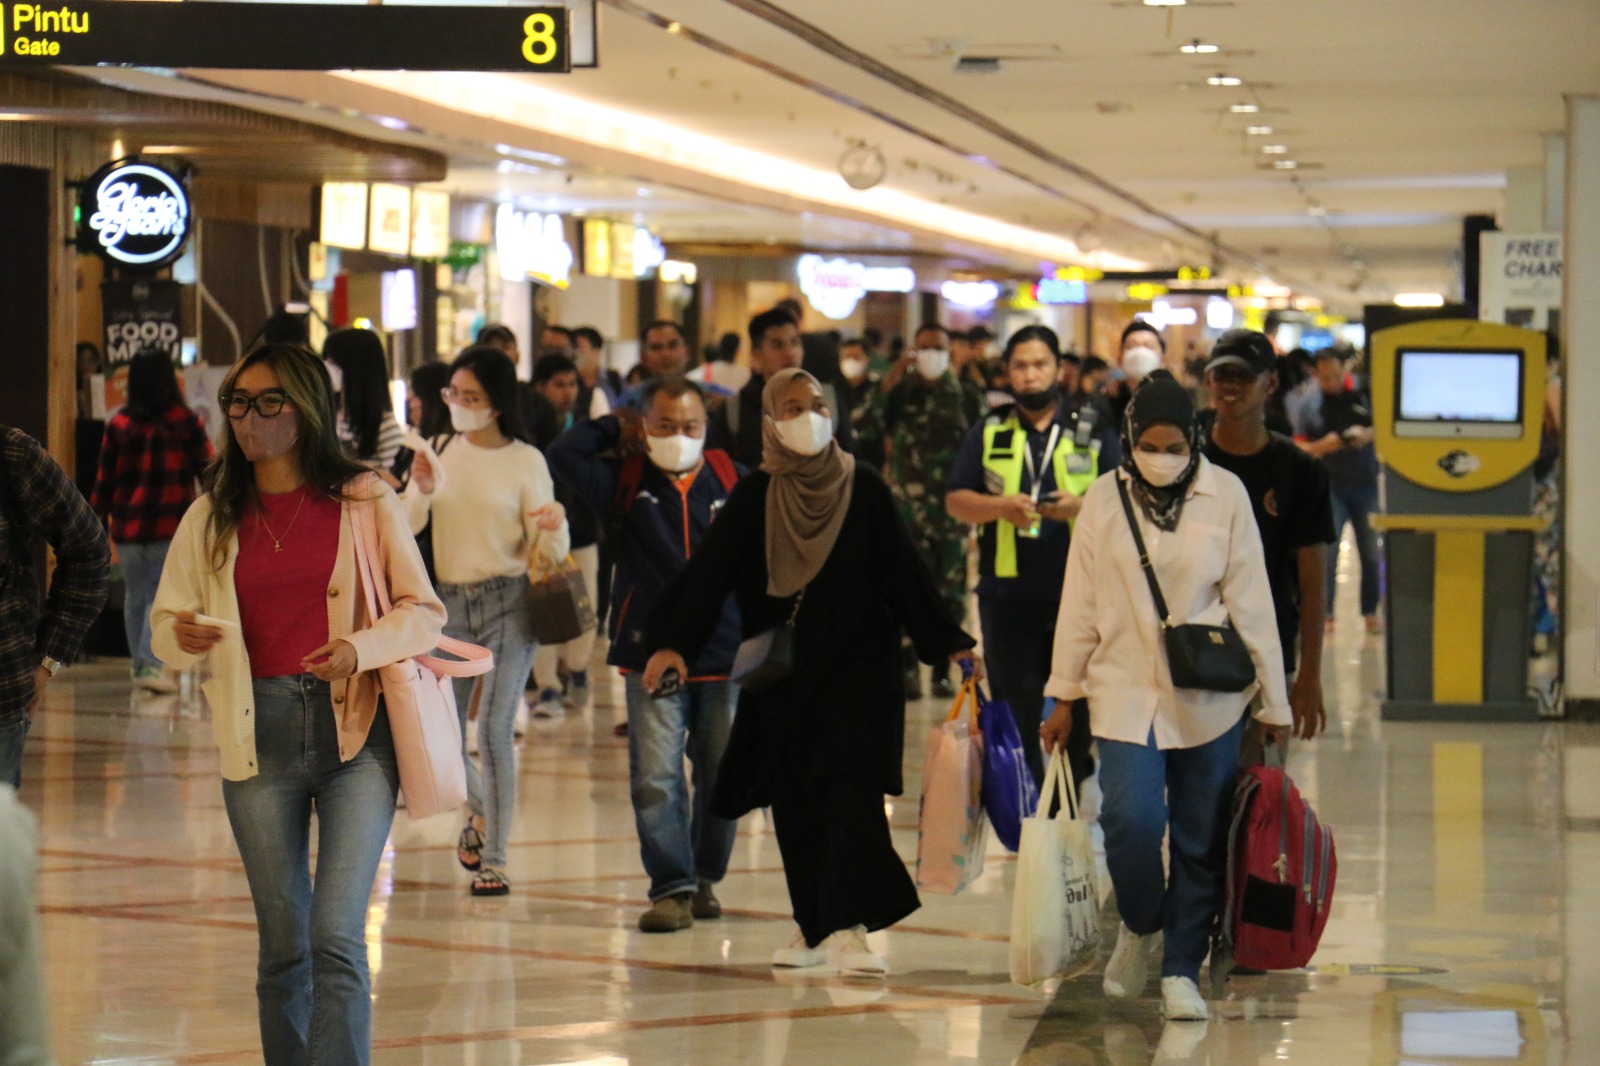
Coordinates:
column 1055, row 909
column 418, row 694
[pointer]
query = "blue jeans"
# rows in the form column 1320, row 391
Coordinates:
column 681, row 842
column 141, row 573
column 12, row 734
column 1147, row 792
column 494, row 614
column 1355, row 504
column 312, row 985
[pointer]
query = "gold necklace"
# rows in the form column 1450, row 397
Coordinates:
column 261, row 519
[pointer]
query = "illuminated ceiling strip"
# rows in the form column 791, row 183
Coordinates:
column 521, row 102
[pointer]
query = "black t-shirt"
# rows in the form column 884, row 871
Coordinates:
column 1290, row 497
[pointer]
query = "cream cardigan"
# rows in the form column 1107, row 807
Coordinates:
column 190, row 582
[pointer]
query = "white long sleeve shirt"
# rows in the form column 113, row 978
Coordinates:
column 482, row 522
column 1108, row 644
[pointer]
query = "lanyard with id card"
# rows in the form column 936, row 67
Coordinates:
column 1037, row 476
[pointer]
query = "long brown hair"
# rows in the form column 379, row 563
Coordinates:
column 325, row 465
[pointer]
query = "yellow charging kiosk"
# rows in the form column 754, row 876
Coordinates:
column 1457, row 408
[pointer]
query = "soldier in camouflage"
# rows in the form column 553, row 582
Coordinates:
column 925, row 414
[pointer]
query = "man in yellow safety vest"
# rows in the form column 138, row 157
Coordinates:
column 1020, row 478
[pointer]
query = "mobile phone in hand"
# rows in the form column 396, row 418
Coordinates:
column 671, row 682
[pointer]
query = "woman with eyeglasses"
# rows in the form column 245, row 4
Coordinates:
column 491, row 507
column 814, row 540
column 261, row 581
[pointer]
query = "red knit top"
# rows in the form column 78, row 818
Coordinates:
column 283, row 595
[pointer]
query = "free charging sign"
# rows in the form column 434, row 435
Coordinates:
column 134, row 215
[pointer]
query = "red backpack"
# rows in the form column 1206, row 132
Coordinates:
column 1281, row 869
column 632, row 472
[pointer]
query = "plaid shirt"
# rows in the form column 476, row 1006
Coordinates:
column 148, row 470
column 37, row 499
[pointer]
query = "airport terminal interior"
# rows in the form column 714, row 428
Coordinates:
column 1382, row 218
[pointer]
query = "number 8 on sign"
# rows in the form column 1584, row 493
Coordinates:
column 539, row 44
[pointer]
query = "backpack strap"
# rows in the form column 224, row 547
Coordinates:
column 722, row 465
column 628, row 479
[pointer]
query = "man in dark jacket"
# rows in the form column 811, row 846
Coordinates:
column 657, row 504
column 775, row 344
column 38, row 502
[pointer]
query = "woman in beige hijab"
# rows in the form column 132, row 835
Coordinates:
column 815, row 538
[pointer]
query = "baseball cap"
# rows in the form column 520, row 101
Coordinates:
column 1243, row 347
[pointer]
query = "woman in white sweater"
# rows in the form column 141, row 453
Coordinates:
column 1168, row 755
column 492, row 504
column 261, row 581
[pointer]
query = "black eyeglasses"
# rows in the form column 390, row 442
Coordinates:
column 268, row 404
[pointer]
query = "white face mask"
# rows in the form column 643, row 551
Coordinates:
column 1160, row 468
column 853, row 369
column 675, row 455
column 1138, row 362
column 932, row 362
column 806, row 434
column 470, row 419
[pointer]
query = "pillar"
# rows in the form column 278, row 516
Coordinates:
column 1581, row 421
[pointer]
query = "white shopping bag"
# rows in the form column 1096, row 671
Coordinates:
column 1055, row 911
column 952, row 833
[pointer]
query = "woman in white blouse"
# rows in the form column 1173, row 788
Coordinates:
column 492, row 504
column 1169, row 756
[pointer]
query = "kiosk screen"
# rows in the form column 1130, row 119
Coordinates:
column 1464, row 393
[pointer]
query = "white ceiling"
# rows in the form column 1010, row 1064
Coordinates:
column 1403, row 116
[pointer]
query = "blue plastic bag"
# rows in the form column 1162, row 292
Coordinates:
column 1009, row 791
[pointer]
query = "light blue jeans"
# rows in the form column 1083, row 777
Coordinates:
column 1355, row 505
column 494, row 614
column 1146, row 792
column 312, row 986
column 141, row 573
column 682, row 843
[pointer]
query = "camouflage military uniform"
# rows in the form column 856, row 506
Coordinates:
column 925, row 423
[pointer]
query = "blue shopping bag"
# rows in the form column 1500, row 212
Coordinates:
column 1009, row 792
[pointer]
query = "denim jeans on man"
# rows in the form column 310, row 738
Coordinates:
column 682, row 843
column 1355, row 504
column 141, row 573
column 494, row 614
column 1147, row 792
column 312, row 984
column 12, row 736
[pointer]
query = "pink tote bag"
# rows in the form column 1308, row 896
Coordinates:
column 418, row 694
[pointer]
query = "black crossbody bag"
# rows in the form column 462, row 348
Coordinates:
column 1211, row 658
column 768, row 657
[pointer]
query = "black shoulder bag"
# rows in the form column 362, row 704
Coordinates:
column 768, row 657
column 1212, row 658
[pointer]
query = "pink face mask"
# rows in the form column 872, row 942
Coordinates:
column 263, row 439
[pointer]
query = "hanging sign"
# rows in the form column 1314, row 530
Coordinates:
column 133, row 215
column 532, row 246
column 527, row 40
column 1520, row 278
column 834, row 286
column 139, row 315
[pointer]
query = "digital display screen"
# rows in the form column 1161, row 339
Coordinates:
column 1460, row 386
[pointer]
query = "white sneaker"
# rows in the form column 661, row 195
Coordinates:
column 549, row 708
column 155, row 679
column 848, row 952
column 1128, row 970
column 798, row 956
column 1181, row 1000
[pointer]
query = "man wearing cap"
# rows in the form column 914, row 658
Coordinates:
column 1292, row 502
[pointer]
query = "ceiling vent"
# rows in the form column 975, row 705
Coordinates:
column 978, row 65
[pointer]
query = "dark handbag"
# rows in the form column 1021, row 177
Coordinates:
column 1211, row 658
column 768, row 657
column 559, row 603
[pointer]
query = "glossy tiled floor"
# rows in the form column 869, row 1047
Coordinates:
column 1466, row 926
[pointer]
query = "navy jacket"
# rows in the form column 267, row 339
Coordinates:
column 650, row 543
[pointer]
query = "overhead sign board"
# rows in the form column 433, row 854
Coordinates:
column 249, row 36
column 389, row 211
column 134, row 215
column 344, row 215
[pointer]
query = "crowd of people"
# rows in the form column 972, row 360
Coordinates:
column 779, row 553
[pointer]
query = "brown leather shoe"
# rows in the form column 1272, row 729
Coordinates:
column 667, row 915
column 706, row 906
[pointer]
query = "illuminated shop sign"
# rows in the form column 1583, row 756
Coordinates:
column 344, row 215
column 1061, row 291
column 389, row 228
column 134, row 215
column 836, row 286
column 970, row 294
column 648, row 252
column 430, row 224
column 679, row 270
column 531, row 245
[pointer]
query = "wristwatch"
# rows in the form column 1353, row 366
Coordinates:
column 53, row 666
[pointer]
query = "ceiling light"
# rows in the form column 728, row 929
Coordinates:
column 1285, row 164
column 1224, row 80
column 1165, row 3
column 674, row 27
column 14, row 116
column 1275, row 149
column 1197, row 47
column 1244, row 109
column 1418, row 299
column 1259, row 131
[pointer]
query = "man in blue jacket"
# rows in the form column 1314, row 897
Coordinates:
column 656, row 489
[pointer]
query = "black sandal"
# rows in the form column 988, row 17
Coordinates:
column 491, row 882
column 469, row 847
